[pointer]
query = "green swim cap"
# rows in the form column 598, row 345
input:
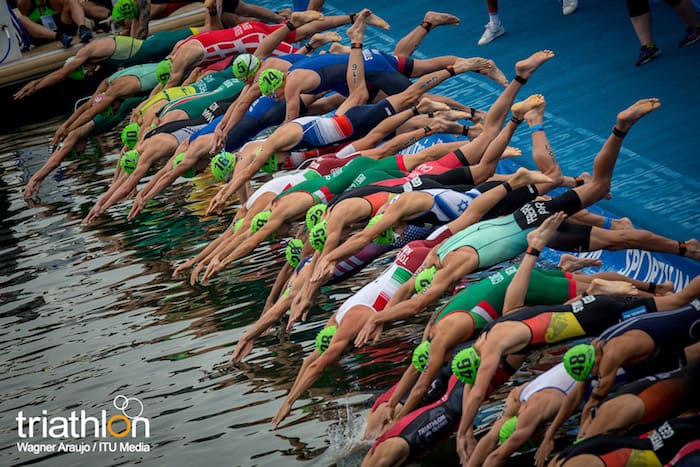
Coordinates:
column 425, row 278
column 129, row 161
column 222, row 165
column 245, row 66
column 579, row 361
column 323, row 338
column 270, row 81
column 420, row 355
column 130, row 135
column 189, row 173
column 163, row 70
column 314, row 215
column 384, row 238
column 124, row 9
column 259, row 220
column 237, row 226
column 507, row 430
column 79, row 73
column 465, row 364
column 293, row 251
column 317, row 235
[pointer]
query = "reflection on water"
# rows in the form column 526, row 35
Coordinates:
column 87, row 314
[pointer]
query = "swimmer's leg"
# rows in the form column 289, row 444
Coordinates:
column 604, row 163
column 410, row 42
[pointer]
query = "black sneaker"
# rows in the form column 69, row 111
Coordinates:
column 84, row 34
column 692, row 35
column 647, row 53
column 65, row 39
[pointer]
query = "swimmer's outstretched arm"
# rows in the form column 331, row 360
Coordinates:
column 62, row 73
column 573, row 399
column 267, row 320
column 120, row 177
column 216, row 265
column 56, row 158
column 404, row 207
column 68, row 125
column 537, row 241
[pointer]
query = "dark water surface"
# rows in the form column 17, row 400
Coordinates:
column 87, row 314
column 91, row 313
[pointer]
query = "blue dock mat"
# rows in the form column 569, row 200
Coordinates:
column 657, row 178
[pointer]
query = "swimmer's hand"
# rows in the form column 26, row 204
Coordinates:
column 194, row 275
column 216, row 205
column 539, row 237
column 466, row 443
column 299, row 310
column 243, row 348
column 183, row 266
column 32, row 188
column 324, row 268
column 281, row 414
column 139, row 204
column 60, row 135
column 94, row 213
column 27, row 90
column 370, row 331
column 216, row 265
column 219, row 139
column 543, row 452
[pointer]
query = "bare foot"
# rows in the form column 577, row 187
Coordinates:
column 356, row 32
column 525, row 68
column 426, row 105
column 528, row 177
column 436, row 18
column 491, row 71
column 462, row 65
column 692, row 249
column 475, row 130
column 336, row 48
column 664, row 288
column 299, row 18
column 285, row 13
column 377, row 22
column 510, row 151
column 604, row 287
column 478, row 116
column 482, row 66
column 586, row 177
column 535, row 116
column 322, row 38
column 623, row 223
column 571, row 263
column 453, row 115
column 519, row 109
column 633, row 113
